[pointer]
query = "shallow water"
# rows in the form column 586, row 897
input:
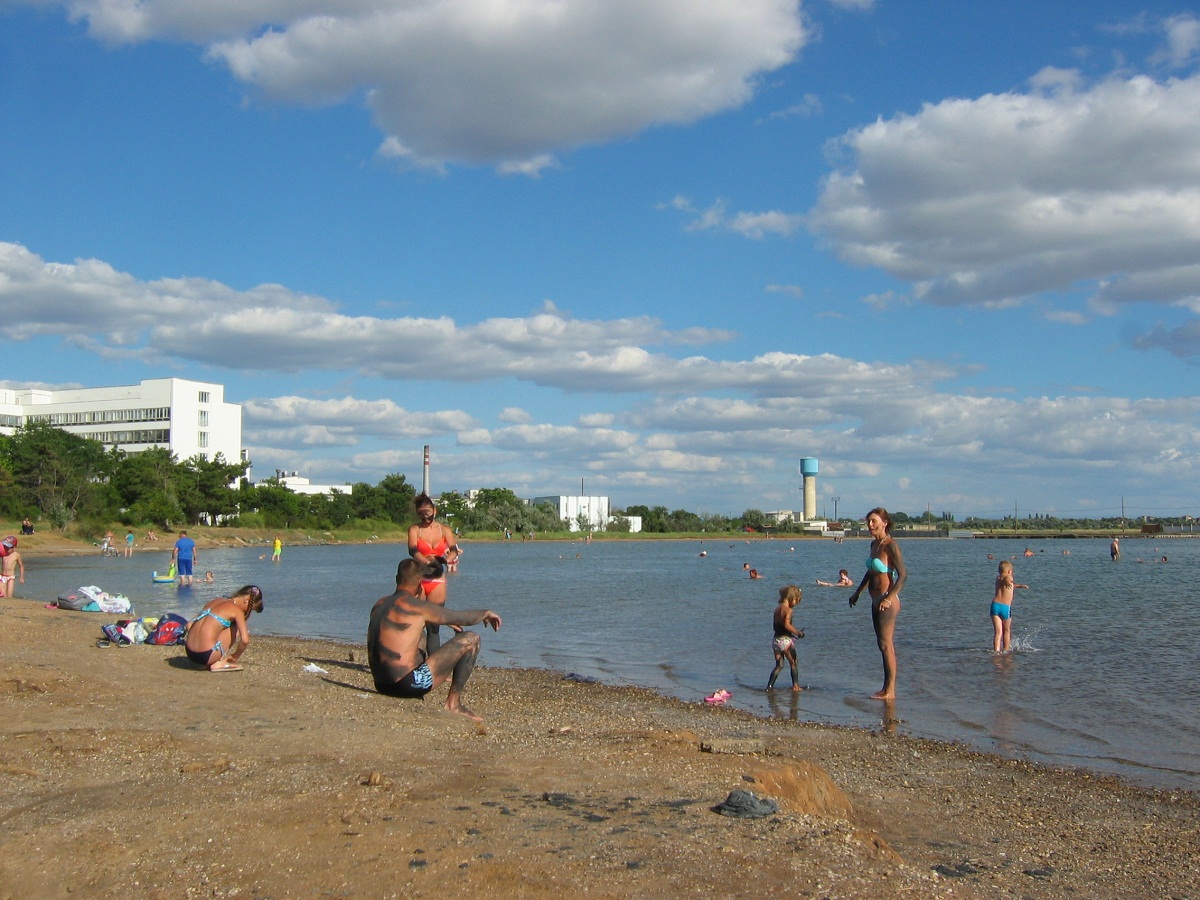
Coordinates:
column 1103, row 675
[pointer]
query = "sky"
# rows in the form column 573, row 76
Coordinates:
column 656, row 250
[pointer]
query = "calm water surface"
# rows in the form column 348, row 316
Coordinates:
column 1104, row 675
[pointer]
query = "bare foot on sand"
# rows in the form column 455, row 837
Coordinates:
column 881, row 695
column 228, row 667
column 463, row 711
column 796, row 688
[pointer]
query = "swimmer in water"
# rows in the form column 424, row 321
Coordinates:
column 844, row 580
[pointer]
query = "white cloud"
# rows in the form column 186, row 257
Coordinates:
column 346, row 421
column 515, row 415
column 503, row 82
column 1007, row 196
column 597, row 420
column 755, row 225
column 684, row 415
column 792, row 290
column 1182, row 40
column 809, row 106
column 272, row 329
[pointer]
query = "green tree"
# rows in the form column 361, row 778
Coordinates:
column 752, row 518
column 60, row 473
column 367, row 502
column 618, row 523
column 278, row 506
column 207, row 488
column 397, row 498
column 146, row 484
column 654, row 521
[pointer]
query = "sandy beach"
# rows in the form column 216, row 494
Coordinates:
column 126, row 772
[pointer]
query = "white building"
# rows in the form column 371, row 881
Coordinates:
column 593, row 509
column 298, row 484
column 189, row 418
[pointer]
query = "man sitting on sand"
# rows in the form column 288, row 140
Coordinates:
column 396, row 642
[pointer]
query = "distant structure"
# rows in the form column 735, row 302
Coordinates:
column 189, row 418
column 808, row 516
column 425, row 473
column 298, row 484
column 808, row 471
column 592, row 510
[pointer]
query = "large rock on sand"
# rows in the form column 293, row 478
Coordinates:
column 803, row 787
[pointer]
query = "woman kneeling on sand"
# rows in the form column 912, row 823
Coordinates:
column 221, row 628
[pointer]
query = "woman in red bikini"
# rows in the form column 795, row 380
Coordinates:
column 432, row 543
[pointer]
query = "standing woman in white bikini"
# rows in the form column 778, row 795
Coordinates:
column 218, row 636
column 884, row 579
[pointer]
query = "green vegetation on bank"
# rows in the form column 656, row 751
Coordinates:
column 79, row 488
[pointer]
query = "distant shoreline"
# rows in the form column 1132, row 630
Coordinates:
column 50, row 543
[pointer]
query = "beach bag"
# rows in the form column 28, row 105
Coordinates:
column 171, row 629
column 132, row 631
column 73, row 600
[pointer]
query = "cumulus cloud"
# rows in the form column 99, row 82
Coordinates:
column 756, row 225
column 792, row 290
column 515, row 415
column 272, row 329
column 1182, row 41
column 684, row 416
column 999, row 199
column 504, row 82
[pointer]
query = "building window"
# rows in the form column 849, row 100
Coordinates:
column 204, row 418
column 204, row 396
column 202, row 439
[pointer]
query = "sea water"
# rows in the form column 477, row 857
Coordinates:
column 1103, row 674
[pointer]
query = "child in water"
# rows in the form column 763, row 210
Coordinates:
column 844, row 580
column 1002, row 608
column 786, row 634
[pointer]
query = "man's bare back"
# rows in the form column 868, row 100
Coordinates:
column 396, row 643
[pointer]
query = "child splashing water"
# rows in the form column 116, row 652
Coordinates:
column 1002, row 608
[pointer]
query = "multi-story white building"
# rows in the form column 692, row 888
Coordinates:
column 298, row 484
column 594, row 510
column 190, row 418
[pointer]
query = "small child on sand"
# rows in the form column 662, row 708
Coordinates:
column 1002, row 608
column 786, row 634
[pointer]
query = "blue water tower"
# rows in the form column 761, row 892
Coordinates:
column 808, row 471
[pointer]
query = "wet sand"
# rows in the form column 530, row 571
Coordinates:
column 126, row 772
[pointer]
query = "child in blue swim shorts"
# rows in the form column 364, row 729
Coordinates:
column 1002, row 608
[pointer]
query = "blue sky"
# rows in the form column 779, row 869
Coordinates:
column 665, row 247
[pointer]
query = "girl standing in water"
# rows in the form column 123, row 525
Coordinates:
column 884, row 579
